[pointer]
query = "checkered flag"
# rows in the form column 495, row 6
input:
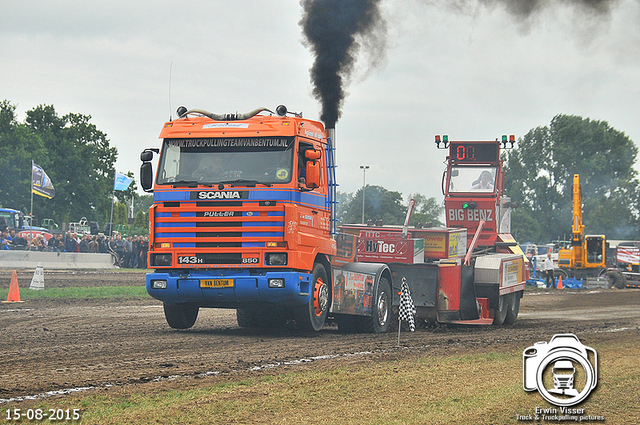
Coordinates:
column 406, row 309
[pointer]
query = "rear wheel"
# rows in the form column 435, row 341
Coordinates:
column 312, row 315
column 247, row 318
column 514, row 308
column 500, row 311
column 181, row 316
column 380, row 317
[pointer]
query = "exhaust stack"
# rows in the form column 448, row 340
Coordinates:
column 331, row 133
column 331, row 174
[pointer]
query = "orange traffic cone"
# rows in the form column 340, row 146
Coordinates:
column 14, row 290
column 559, row 282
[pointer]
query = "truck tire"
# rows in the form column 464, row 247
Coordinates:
column 311, row 316
column 181, row 316
column 615, row 279
column 380, row 317
column 500, row 311
column 514, row 308
column 347, row 324
column 247, row 318
column 261, row 317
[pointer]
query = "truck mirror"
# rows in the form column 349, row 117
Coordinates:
column 313, row 174
column 312, row 154
column 146, row 176
column 146, row 156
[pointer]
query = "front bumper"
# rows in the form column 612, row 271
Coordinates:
column 250, row 287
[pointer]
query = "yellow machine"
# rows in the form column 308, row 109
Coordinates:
column 586, row 256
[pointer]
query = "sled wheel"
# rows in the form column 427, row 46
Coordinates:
column 312, row 315
column 500, row 311
column 181, row 316
column 514, row 308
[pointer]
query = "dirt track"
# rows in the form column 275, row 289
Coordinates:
column 55, row 345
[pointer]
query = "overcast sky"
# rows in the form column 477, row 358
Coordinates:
column 472, row 72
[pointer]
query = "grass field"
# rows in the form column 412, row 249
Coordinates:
column 482, row 388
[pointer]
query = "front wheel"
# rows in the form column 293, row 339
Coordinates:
column 311, row 316
column 181, row 316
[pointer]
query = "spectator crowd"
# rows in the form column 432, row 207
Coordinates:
column 131, row 251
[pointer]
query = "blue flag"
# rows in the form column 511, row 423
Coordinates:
column 122, row 182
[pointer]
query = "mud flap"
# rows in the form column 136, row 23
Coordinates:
column 354, row 286
column 468, row 307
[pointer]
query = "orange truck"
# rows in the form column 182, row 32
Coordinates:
column 244, row 218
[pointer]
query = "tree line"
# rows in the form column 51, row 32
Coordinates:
column 76, row 156
column 388, row 207
column 539, row 177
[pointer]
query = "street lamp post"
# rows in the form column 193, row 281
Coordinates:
column 364, row 185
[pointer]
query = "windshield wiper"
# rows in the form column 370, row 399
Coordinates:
column 184, row 183
column 244, row 182
column 191, row 183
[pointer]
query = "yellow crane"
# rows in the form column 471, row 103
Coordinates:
column 586, row 255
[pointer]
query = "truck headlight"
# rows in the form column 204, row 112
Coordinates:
column 276, row 259
column 277, row 282
column 159, row 284
column 160, row 260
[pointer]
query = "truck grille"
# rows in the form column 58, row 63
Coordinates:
column 219, row 224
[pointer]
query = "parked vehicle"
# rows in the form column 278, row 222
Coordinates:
column 17, row 221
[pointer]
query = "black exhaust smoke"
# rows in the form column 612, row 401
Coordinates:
column 523, row 9
column 335, row 31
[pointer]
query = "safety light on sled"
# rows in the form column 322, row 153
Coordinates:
column 469, row 205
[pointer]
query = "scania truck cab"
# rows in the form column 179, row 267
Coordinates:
column 241, row 217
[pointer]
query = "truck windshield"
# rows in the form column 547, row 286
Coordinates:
column 472, row 179
column 242, row 160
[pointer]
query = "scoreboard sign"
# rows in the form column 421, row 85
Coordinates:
column 474, row 152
